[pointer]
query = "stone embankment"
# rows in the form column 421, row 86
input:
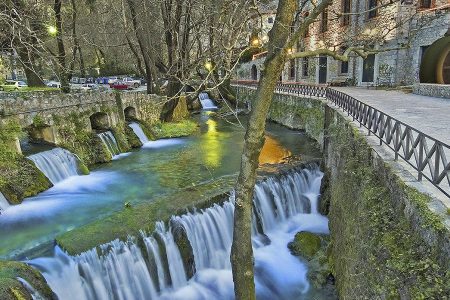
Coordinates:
column 388, row 239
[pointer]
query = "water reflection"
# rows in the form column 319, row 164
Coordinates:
column 273, row 152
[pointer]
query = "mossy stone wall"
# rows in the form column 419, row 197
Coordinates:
column 378, row 251
column 300, row 113
column 385, row 241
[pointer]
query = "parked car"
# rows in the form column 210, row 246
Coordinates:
column 120, row 85
column 113, row 79
column 89, row 87
column 102, row 80
column 82, row 80
column 54, row 84
column 134, row 83
column 12, row 85
column 74, row 80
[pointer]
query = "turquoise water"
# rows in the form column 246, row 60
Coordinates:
column 159, row 167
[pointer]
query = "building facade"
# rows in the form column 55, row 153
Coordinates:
column 406, row 28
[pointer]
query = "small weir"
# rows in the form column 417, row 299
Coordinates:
column 207, row 104
column 56, row 164
column 110, row 142
column 154, row 269
column 139, row 132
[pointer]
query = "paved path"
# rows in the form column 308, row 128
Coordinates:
column 427, row 114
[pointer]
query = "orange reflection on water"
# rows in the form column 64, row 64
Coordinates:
column 272, row 152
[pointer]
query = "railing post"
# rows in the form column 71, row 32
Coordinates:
column 397, row 137
column 437, row 157
column 419, row 165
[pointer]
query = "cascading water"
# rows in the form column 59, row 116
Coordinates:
column 139, row 132
column 4, row 204
column 207, row 103
column 110, row 142
column 56, row 164
column 35, row 295
column 282, row 207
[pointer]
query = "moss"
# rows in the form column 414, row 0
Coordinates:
column 21, row 179
column 83, row 168
column 132, row 138
column 448, row 211
column 130, row 220
column 120, row 136
column 305, row 244
column 375, row 253
column 175, row 129
column 431, row 220
column 11, row 288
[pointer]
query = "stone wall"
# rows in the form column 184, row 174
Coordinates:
column 386, row 241
column 432, row 90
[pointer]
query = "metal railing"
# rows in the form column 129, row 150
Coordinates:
column 427, row 155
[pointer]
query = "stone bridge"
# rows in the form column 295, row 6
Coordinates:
column 41, row 113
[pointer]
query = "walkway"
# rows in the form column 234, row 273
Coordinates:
column 428, row 114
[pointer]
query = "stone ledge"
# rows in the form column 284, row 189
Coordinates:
column 432, row 90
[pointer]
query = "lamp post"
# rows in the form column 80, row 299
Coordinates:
column 52, row 30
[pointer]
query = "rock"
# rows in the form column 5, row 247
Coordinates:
column 305, row 244
column 11, row 288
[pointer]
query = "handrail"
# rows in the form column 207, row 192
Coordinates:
column 427, row 155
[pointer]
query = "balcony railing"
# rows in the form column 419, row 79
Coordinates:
column 427, row 155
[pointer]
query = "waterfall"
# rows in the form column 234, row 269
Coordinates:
column 4, row 204
column 56, row 164
column 176, row 271
column 139, row 132
column 110, row 142
column 35, row 295
column 283, row 206
column 207, row 103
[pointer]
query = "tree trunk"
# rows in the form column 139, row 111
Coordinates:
column 61, row 56
column 242, row 252
column 26, row 59
column 143, row 45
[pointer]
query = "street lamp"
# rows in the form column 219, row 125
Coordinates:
column 255, row 42
column 208, row 66
column 52, row 30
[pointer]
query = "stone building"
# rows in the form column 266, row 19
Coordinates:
column 407, row 27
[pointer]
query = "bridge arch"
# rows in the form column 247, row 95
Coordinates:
column 99, row 121
column 130, row 113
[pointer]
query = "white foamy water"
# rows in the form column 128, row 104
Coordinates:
column 139, row 132
column 207, row 104
column 110, row 142
column 283, row 207
column 4, row 204
column 163, row 143
column 56, row 164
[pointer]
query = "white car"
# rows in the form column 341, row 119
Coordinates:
column 113, row 79
column 134, row 83
column 54, row 84
column 89, row 87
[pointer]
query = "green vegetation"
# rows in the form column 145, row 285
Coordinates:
column 78, row 139
column 19, row 177
column 175, row 129
column 38, row 89
column 305, row 244
column 375, row 253
column 12, row 289
column 315, row 249
column 131, row 219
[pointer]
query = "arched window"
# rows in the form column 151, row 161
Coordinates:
column 254, row 73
